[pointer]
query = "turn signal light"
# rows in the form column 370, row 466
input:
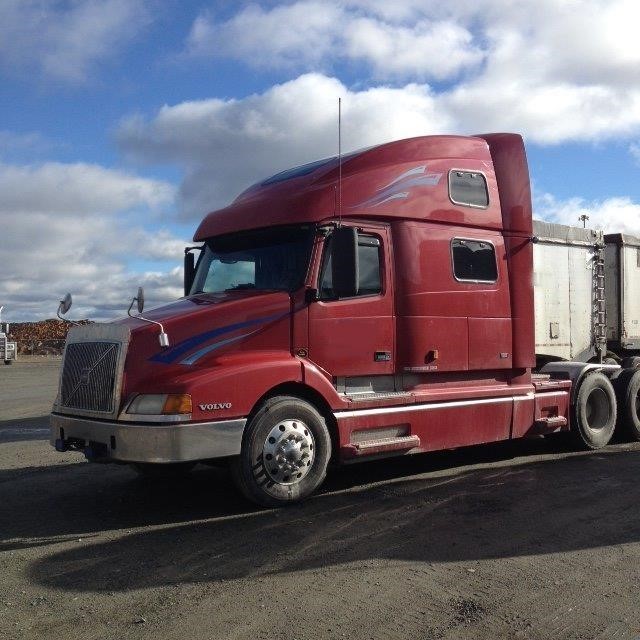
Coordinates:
column 177, row 403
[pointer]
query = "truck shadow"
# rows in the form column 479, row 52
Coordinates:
column 530, row 507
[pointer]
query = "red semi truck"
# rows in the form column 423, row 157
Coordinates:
column 342, row 311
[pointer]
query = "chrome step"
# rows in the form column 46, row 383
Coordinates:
column 368, row 396
column 381, row 445
column 555, row 422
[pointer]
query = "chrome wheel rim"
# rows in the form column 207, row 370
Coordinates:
column 288, row 452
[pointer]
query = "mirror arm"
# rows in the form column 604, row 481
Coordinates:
column 164, row 338
column 311, row 294
column 77, row 324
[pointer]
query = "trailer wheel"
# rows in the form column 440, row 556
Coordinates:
column 627, row 386
column 594, row 415
column 285, row 451
column 630, row 362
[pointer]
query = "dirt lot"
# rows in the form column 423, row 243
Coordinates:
column 510, row 541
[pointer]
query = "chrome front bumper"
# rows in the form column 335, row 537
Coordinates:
column 162, row 443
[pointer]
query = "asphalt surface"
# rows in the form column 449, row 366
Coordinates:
column 528, row 540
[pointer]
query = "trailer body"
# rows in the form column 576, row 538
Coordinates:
column 381, row 304
column 622, row 256
column 567, row 265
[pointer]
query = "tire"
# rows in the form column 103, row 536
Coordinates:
column 630, row 362
column 156, row 471
column 594, row 414
column 8, row 361
column 285, row 451
column 627, row 387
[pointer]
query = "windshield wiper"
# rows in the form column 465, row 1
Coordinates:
column 240, row 287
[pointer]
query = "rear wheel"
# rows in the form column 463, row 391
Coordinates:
column 285, row 452
column 594, row 414
column 627, row 386
column 8, row 361
column 630, row 362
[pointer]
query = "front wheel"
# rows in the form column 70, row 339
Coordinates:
column 594, row 414
column 285, row 451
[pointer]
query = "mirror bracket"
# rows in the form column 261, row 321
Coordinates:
column 311, row 295
column 64, row 306
column 163, row 338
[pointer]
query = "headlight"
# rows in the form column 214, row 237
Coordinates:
column 155, row 404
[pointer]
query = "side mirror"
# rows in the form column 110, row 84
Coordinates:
column 189, row 271
column 140, row 299
column 344, row 262
column 65, row 304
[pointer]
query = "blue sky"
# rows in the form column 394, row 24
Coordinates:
column 122, row 122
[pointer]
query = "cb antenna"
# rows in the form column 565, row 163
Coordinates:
column 339, row 162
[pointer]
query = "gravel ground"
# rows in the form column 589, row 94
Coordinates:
column 528, row 540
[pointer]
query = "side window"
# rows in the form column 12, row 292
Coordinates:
column 474, row 260
column 468, row 188
column 369, row 273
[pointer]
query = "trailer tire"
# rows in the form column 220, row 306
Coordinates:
column 627, row 386
column 594, row 414
column 630, row 362
column 286, row 448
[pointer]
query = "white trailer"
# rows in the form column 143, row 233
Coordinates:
column 8, row 350
column 622, row 260
column 569, row 293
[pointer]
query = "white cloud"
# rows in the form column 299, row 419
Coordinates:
column 612, row 215
column 65, row 40
column 32, row 142
column 225, row 145
column 437, row 50
column 287, row 34
column 312, row 33
column 557, row 71
column 76, row 188
column 76, row 227
column 583, row 42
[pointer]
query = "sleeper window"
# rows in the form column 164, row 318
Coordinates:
column 474, row 260
column 468, row 188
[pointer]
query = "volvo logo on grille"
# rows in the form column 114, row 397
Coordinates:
column 84, row 375
column 215, row 406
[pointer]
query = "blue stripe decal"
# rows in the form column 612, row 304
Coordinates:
column 194, row 357
column 172, row 354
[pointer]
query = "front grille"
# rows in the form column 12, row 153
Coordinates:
column 89, row 376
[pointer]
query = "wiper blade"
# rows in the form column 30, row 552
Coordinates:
column 241, row 287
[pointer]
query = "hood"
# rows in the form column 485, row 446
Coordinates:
column 201, row 326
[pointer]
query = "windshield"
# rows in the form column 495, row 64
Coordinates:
column 261, row 260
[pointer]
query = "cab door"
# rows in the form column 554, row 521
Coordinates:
column 353, row 337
